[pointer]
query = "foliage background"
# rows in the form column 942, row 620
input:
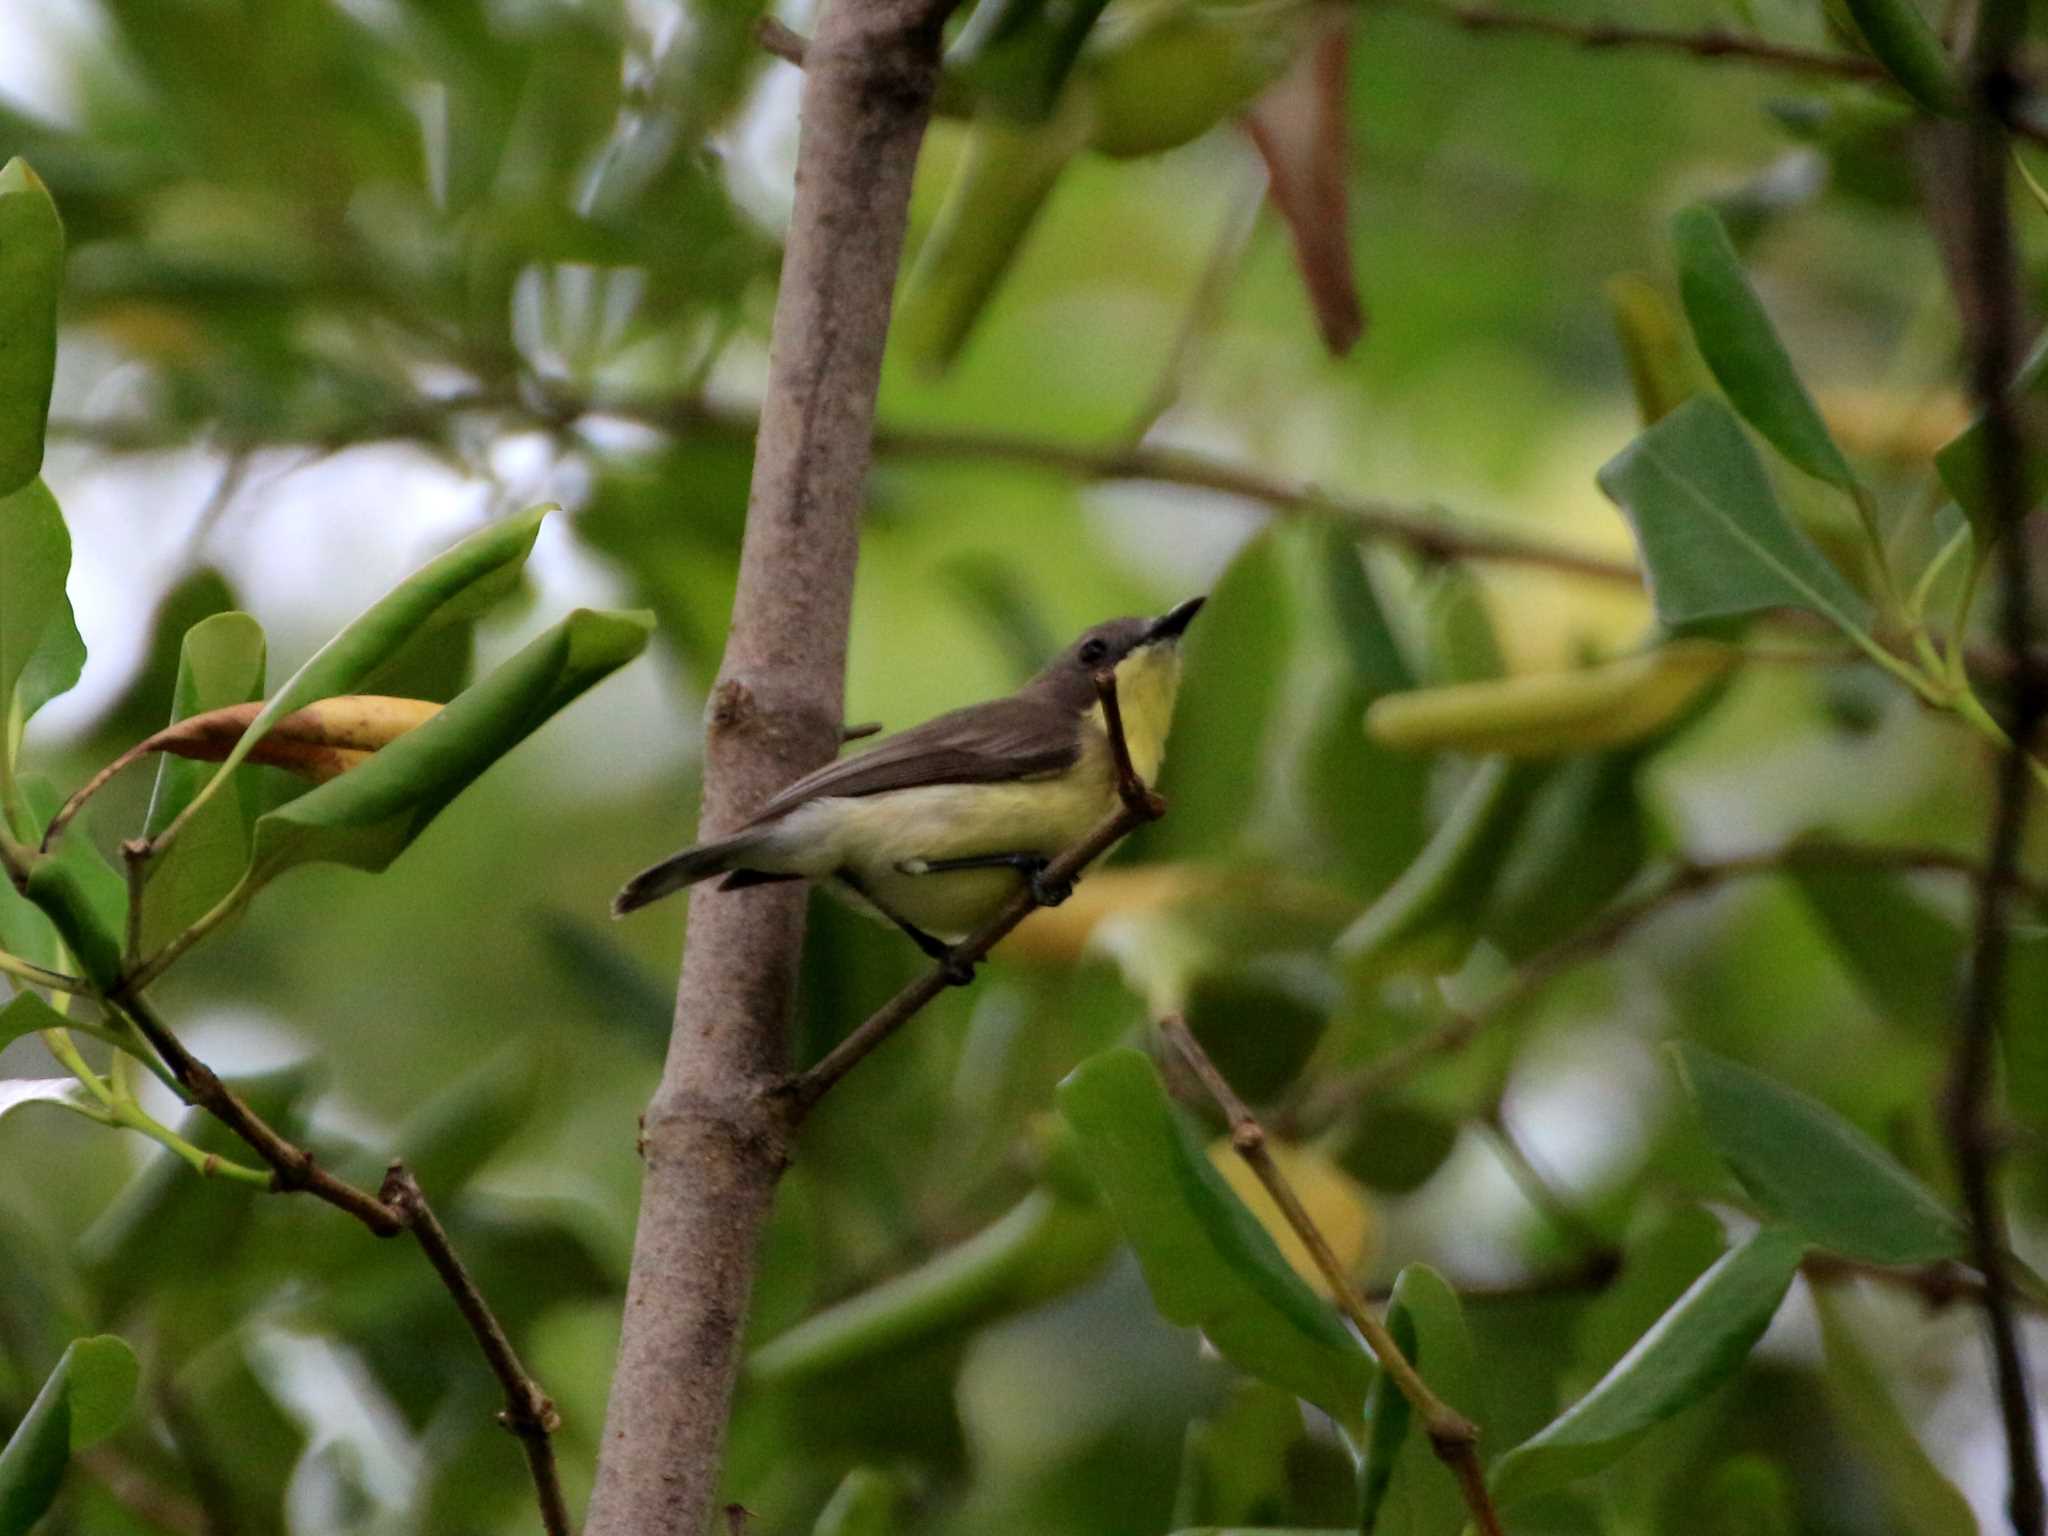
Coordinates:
column 300, row 230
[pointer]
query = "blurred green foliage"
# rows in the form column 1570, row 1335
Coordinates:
column 372, row 276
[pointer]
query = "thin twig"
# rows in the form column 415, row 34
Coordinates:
column 291, row 1166
column 1712, row 44
column 1137, row 804
column 38, row 976
column 1453, row 1437
column 529, row 1412
column 1680, row 882
column 1988, row 295
column 398, row 1207
column 1428, row 532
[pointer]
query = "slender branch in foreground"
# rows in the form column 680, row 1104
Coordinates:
column 399, row 1207
column 529, row 1412
column 1681, row 882
column 1988, row 294
column 1453, row 1437
column 1137, row 805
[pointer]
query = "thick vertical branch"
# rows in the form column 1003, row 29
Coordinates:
column 1988, row 294
column 715, row 1141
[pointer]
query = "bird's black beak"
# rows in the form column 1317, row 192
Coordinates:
column 1168, row 625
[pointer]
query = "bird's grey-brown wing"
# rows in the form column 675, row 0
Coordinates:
column 981, row 744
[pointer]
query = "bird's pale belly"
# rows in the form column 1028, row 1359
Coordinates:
column 873, row 836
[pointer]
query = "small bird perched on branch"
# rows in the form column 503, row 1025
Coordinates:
column 934, row 828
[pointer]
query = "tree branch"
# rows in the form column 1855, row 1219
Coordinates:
column 399, row 1207
column 1712, row 44
column 714, row 1139
column 1137, row 804
column 529, row 1412
column 1988, row 296
column 1681, row 882
column 1453, row 1437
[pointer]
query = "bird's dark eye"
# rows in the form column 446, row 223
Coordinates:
column 1093, row 651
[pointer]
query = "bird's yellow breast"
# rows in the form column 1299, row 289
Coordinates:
column 1146, row 682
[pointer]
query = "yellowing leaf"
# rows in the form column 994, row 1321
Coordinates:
column 1554, row 713
column 1335, row 1201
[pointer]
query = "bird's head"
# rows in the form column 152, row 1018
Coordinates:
column 1145, row 655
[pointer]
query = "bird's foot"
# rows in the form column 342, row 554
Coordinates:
column 956, row 970
column 1047, row 893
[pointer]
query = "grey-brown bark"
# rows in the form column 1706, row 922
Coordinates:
column 714, row 1141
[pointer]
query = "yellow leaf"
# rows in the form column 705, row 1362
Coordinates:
column 1550, row 714
column 1337, row 1203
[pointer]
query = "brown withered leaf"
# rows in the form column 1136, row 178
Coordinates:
column 320, row 742
column 1300, row 128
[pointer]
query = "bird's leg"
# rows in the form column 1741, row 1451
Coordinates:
column 1031, row 866
column 958, row 972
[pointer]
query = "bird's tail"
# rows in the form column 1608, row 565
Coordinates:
column 672, row 874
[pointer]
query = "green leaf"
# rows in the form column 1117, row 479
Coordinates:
column 1715, row 542
column 1742, row 348
column 1243, row 1464
column 1898, row 34
column 31, row 275
column 1961, row 460
column 866, row 1503
column 1666, row 1252
column 1209, row 1263
column 26, row 1013
column 1233, row 682
column 220, row 663
column 24, row 929
column 1810, row 1168
column 1426, row 921
column 369, row 815
column 1394, row 1146
column 1403, row 1490
column 84, row 1400
column 41, row 654
column 1903, row 951
column 455, row 587
column 1919, row 1498
column 1044, row 1247
column 1748, row 1496
column 1693, row 1348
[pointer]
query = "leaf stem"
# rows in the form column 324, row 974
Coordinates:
column 174, row 950
column 38, row 976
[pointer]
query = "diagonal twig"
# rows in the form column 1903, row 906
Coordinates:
column 400, row 1206
column 1137, row 804
column 529, row 1412
column 1453, row 1437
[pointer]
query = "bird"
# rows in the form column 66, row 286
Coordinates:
column 936, row 828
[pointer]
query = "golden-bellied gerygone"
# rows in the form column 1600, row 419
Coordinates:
column 935, row 828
